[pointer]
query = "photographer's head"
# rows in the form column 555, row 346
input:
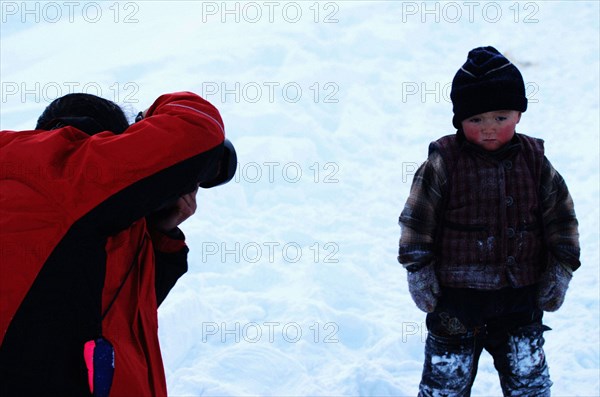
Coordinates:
column 92, row 114
column 86, row 112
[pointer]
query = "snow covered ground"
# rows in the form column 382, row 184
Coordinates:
column 293, row 287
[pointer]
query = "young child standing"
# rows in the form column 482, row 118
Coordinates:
column 489, row 238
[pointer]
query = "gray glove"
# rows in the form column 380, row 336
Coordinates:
column 424, row 288
column 553, row 287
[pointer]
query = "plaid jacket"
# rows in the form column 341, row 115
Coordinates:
column 488, row 220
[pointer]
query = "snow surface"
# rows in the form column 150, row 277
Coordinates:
column 293, row 287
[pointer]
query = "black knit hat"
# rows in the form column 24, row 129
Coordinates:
column 486, row 82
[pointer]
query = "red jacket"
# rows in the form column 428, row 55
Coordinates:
column 71, row 223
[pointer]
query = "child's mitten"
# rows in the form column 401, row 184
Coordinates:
column 424, row 288
column 553, row 287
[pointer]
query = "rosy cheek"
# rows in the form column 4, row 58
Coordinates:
column 471, row 132
column 509, row 129
column 506, row 133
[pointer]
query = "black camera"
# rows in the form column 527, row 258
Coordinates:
column 226, row 167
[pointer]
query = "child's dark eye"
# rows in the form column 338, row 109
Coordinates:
column 474, row 120
column 501, row 118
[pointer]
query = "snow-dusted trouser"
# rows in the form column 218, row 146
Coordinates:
column 451, row 361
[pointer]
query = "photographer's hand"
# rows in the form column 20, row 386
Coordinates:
column 167, row 219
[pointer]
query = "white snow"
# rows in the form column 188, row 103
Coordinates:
column 525, row 353
column 294, row 288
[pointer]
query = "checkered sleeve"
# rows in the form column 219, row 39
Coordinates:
column 558, row 217
column 420, row 217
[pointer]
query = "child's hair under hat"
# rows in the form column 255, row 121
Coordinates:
column 486, row 82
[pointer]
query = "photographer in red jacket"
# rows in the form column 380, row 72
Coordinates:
column 89, row 244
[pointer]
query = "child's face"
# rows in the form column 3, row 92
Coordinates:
column 491, row 130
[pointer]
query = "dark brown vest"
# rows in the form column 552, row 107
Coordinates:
column 491, row 235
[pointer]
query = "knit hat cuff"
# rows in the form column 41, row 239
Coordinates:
column 481, row 104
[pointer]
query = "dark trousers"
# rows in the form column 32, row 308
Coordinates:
column 506, row 323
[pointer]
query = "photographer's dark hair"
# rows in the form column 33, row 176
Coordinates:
column 86, row 112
